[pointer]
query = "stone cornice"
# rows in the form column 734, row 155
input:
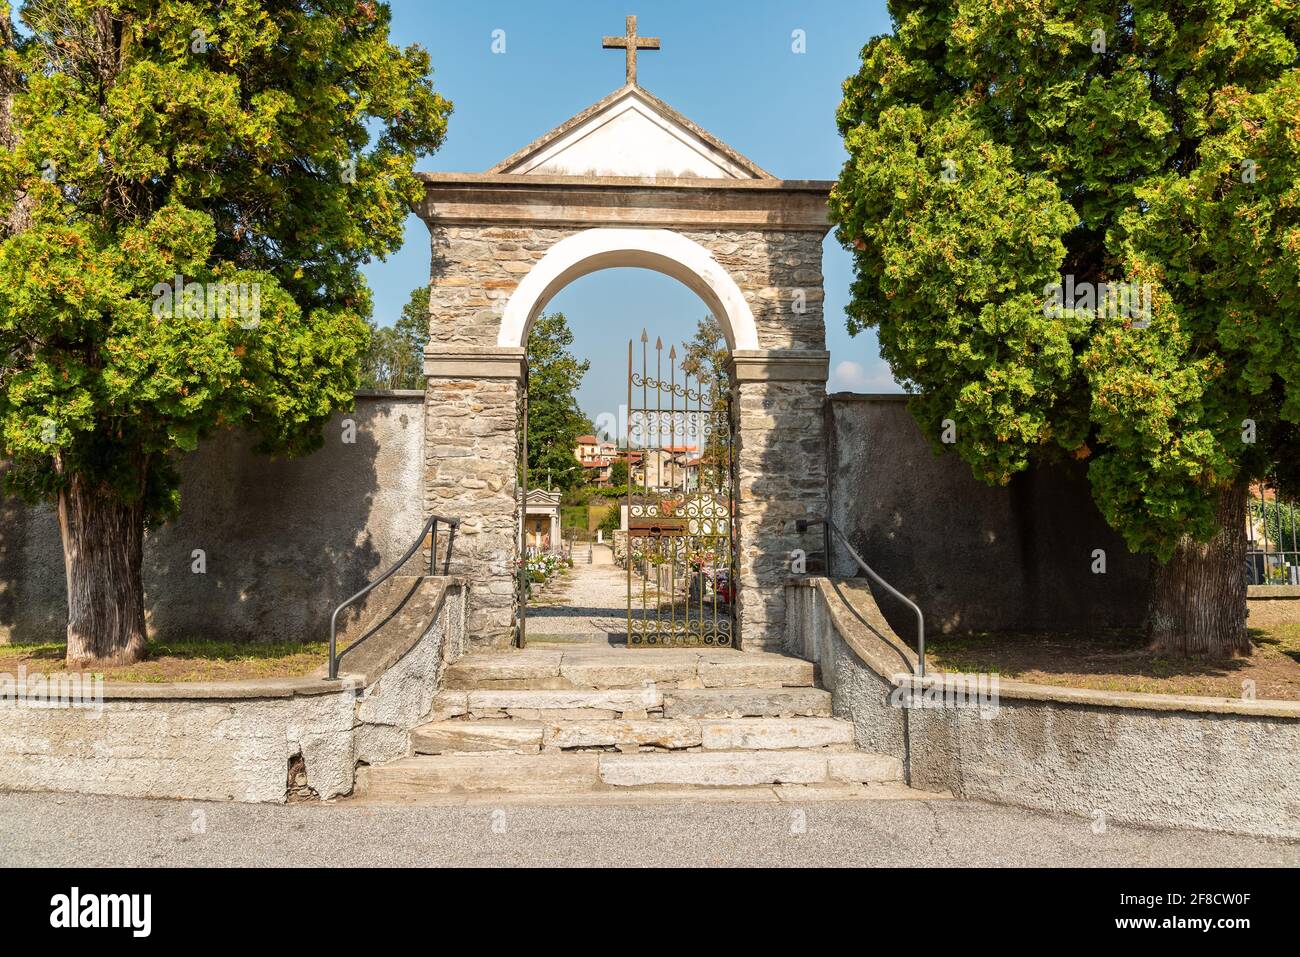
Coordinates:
column 505, row 199
column 777, row 365
column 457, row 361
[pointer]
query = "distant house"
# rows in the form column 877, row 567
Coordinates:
column 595, row 457
column 664, row 469
column 693, row 473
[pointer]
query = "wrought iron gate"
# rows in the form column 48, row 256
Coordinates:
column 679, row 547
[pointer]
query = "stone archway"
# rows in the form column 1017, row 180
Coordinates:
column 664, row 251
column 578, row 200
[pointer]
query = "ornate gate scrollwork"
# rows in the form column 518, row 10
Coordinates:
column 679, row 549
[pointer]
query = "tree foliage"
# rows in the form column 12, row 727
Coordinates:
column 187, row 196
column 705, row 359
column 554, row 419
column 618, row 472
column 395, row 359
column 249, row 143
column 996, row 149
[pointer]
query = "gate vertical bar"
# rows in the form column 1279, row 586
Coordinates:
column 672, row 483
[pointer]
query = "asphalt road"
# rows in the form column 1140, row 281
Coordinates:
column 63, row 830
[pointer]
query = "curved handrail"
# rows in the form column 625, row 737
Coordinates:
column 430, row 525
column 803, row 524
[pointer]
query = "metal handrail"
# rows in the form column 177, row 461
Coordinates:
column 430, row 526
column 828, row 526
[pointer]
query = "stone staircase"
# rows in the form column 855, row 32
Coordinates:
column 590, row 720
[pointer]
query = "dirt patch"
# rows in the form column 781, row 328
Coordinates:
column 185, row 661
column 1119, row 661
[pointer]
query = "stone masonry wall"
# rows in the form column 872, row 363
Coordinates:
column 476, row 268
column 472, row 444
column 782, row 477
column 472, row 450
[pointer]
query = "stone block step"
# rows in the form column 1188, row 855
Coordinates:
column 470, row 737
column 765, row 794
column 672, row 734
column 570, row 704
column 747, row 768
column 771, row 734
column 545, row 669
column 507, row 773
column 650, row 733
column 551, row 772
column 718, row 734
column 747, row 703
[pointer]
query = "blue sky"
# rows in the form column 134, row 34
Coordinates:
column 728, row 66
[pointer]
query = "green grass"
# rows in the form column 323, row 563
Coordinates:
column 185, row 660
column 192, row 648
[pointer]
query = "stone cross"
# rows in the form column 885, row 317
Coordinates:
column 631, row 43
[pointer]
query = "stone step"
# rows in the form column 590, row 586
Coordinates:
column 472, row 737
column 561, row 705
column 552, row 772
column 747, row 703
column 629, row 704
column 650, row 733
column 670, row 734
column 507, row 773
column 547, row 669
column 614, row 797
column 771, row 734
column 747, row 768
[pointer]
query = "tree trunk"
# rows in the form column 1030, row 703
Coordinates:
column 1198, row 598
column 103, row 547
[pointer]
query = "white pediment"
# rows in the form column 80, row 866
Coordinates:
column 631, row 133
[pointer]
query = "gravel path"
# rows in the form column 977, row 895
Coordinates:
column 590, row 604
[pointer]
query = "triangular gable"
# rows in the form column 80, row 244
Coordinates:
column 631, row 133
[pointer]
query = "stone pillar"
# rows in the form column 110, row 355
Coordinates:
column 781, row 477
column 471, row 460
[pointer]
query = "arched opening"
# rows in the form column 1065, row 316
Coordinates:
column 661, row 250
column 619, row 458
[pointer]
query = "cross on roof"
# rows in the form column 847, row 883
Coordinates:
column 631, row 43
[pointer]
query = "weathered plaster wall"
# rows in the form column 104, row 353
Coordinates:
column 285, row 540
column 974, row 558
column 235, row 750
column 1212, row 764
column 233, row 741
